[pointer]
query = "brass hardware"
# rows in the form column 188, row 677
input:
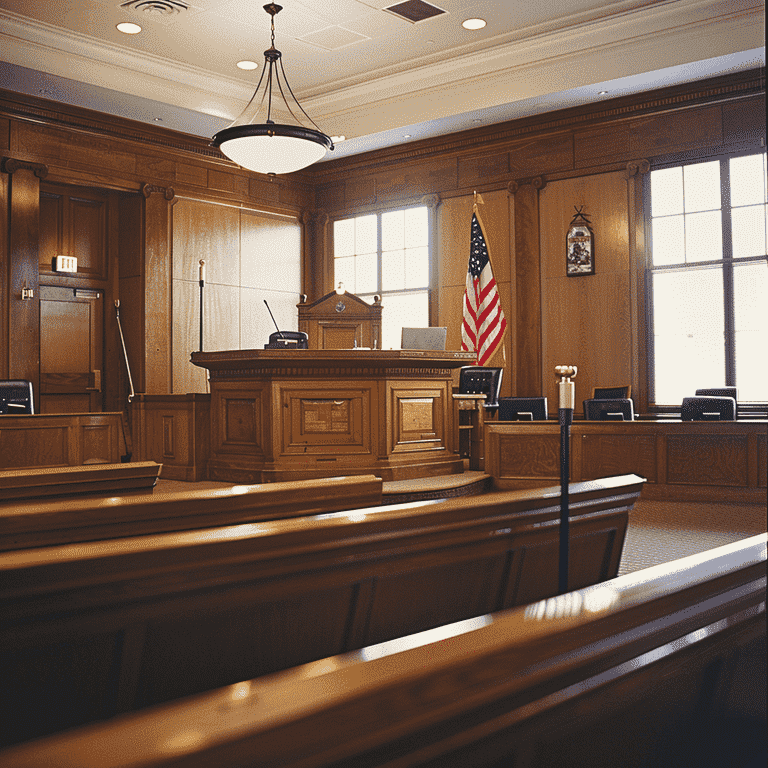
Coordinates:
column 96, row 382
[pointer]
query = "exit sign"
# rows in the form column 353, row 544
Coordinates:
column 66, row 264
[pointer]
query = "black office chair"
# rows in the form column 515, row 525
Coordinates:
column 721, row 392
column 708, row 409
column 522, row 409
column 619, row 409
column 621, row 392
column 16, row 397
column 479, row 380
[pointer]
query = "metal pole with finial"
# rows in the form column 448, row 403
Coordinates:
column 202, row 286
column 565, row 414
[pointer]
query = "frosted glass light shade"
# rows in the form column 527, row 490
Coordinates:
column 272, row 148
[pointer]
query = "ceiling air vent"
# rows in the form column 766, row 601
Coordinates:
column 415, row 10
column 156, row 8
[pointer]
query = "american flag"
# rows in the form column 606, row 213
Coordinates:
column 484, row 324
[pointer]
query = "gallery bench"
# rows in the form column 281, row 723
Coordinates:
column 91, row 630
column 48, row 523
column 664, row 666
column 87, row 479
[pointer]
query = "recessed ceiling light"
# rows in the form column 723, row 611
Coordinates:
column 158, row 119
column 406, row 135
column 473, row 23
column 602, row 93
column 128, row 28
column 247, row 65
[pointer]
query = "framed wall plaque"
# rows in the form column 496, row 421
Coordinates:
column 579, row 246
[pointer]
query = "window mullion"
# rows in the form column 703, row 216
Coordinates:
column 379, row 253
column 728, row 302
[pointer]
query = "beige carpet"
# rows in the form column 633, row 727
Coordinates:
column 660, row 531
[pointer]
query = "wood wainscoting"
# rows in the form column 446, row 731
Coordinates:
column 693, row 461
column 60, row 440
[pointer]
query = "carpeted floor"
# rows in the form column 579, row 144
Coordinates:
column 660, row 531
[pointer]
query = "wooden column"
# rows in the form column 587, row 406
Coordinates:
column 317, row 255
column 157, row 289
column 528, row 285
column 22, row 293
column 636, row 170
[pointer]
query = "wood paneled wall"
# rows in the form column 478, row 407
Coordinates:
column 249, row 257
column 150, row 177
column 531, row 173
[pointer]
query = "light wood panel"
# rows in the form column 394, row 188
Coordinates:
column 586, row 320
column 249, row 256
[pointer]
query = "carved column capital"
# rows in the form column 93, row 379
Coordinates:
column 537, row 182
column 431, row 201
column 167, row 192
column 10, row 165
column 637, row 166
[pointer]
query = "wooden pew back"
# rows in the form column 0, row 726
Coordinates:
column 90, row 630
column 664, row 666
column 88, row 479
column 47, row 523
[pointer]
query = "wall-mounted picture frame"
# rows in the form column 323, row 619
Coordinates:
column 579, row 246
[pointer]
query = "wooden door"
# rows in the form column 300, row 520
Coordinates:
column 71, row 344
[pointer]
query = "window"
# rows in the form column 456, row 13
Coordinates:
column 387, row 254
column 708, row 278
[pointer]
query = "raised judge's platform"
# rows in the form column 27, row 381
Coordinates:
column 302, row 413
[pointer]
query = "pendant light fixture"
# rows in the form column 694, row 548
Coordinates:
column 271, row 147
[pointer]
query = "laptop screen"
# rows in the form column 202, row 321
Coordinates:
column 423, row 338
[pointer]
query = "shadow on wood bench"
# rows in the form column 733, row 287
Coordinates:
column 46, row 523
column 661, row 667
column 90, row 630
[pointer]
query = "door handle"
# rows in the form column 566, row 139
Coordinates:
column 96, row 382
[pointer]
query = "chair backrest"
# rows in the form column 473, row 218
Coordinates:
column 708, row 409
column 16, row 397
column 621, row 392
column 479, row 380
column 619, row 409
column 522, row 408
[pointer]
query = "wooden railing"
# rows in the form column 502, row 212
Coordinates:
column 91, row 630
column 664, row 666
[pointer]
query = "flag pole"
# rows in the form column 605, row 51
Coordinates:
column 202, row 287
column 565, row 413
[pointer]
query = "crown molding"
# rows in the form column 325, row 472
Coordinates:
column 485, row 140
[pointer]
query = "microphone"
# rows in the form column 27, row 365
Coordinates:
column 282, row 335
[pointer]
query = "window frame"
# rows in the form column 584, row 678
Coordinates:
column 379, row 212
column 727, row 263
